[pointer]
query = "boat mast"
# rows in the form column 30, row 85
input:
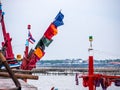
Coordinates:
column 6, row 45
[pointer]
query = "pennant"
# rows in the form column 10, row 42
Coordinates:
column 39, row 53
column 46, row 41
column 30, row 38
column 58, row 19
column 51, row 31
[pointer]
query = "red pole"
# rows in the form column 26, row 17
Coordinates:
column 91, row 72
column 7, row 40
column 27, row 43
column 26, row 51
column 91, row 66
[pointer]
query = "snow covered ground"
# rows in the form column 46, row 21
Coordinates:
column 61, row 82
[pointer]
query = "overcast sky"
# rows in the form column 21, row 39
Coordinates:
column 99, row 18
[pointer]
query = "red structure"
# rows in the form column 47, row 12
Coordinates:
column 6, row 45
column 92, row 80
column 31, row 57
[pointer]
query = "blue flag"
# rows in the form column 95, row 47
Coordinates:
column 58, row 19
column 27, row 43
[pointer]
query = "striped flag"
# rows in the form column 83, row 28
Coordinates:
column 30, row 38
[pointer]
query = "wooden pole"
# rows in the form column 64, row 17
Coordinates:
column 17, row 83
column 19, row 75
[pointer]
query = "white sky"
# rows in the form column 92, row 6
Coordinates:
column 99, row 18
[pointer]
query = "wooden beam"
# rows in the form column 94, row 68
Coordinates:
column 20, row 76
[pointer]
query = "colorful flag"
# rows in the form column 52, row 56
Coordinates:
column 51, row 31
column 27, row 42
column 39, row 53
column 58, row 19
column 30, row 38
